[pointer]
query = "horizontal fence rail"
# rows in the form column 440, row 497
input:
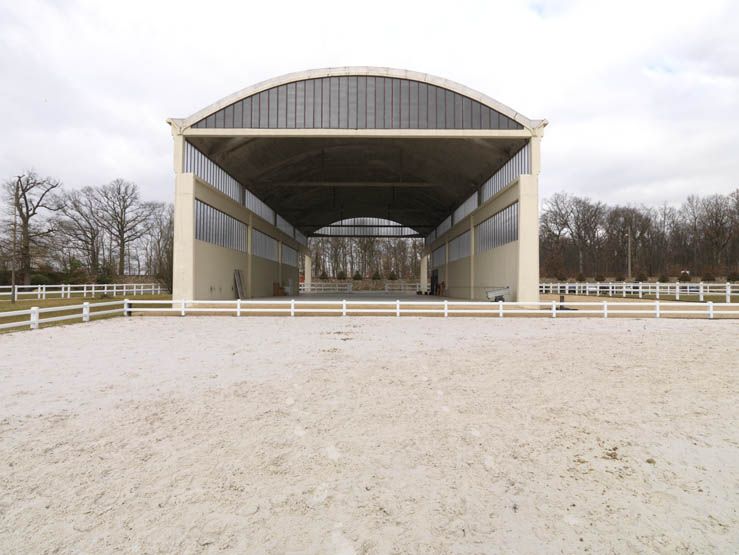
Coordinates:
column 643, row 289
column 326, row 287
column 35, row 316
column 67, row 291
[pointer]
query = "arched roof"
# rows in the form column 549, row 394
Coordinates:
column 471, row 96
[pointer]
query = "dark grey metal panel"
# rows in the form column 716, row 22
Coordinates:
column 352, row 102
column 466, row 113
column 228, row 117
column 361, row 102
column 309, row 104
column 379, row 103
column 395, row 96
column 423, row 103
column 371, row 102
column 281, row 107
column 358, row 101
column 333, row 103
column 239, row 114
column 300, row 104
column 405, row 100
column 343, row 102
column 291, row 106
column 263, row 104
column 457, row 111
column 272, row 108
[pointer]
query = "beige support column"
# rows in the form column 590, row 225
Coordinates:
column 183, row 271
column 423, row 274
column 528, row 239
column 249, row 260
column 472, row 258
column 307, row 272
column 279, row 262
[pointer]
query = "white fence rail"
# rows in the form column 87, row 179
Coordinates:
column 67, row 291
column 347, row 287
column 35, row 316
column 326, row 287
column 643, row 289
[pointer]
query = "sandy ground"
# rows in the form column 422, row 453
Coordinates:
column 370, row 435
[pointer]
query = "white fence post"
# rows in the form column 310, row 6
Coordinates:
column 34, row 317
column 343, row 307
column 182, row 307
column 610, row 289
column 446, row 308
column 641, row 289
column 43, row 292
column 700, row 292
column 292, row 307
column 85, row 312
column 710, row 310
column 500, row 309
column 728, row 292
column 656, row 288
column 605, row 309
column 238, row 307
column 554, row 309
column 126, row 308
column 677, row 290
column 656, row 309
column 397, row 308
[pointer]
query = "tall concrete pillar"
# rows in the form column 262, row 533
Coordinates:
column 472, row 258
column 183, row 271
column 424, row 273
column 528, row 239
column 307, row 272
column 249, row 260
column 279, row 262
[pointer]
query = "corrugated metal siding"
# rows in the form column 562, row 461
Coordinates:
column 465, row 209
column 358, row 102
column 430, row 238
column 289, row 256
column 283, row 225
column 459, row 247
column 519, row 164
column 198, row 163
column 497, row 230
column 264, row 246
column 214, row 226
column 444, row 226
column 300, row 238
column 365, row 227
column 438, row 257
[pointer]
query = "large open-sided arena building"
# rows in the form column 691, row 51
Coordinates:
column 355, row 151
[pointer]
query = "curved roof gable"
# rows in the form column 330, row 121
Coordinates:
column 359, row 98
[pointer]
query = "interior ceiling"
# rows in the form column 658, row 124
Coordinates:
column 313, row 182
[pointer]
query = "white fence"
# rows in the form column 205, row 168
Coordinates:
column 347, row 287
column 326, row 287
column 643, row 289
column 35, row 316
column 66, row 291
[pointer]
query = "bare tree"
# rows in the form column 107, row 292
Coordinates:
column 122, row 214
column 79, row 225
column 33, row 199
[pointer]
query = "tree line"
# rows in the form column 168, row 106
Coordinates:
column 365, row 257
column 93, row 234
column 581, row 238
column 107, row 232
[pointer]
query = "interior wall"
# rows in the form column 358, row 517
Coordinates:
column 264, row 274
column 214, row 279
column 497, row 267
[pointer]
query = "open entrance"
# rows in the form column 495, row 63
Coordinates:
column 264, row 177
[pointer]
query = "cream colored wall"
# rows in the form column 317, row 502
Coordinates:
column 206, row 271
column 497, row 268
column 458, row 278
column 215, row 279
column 264, row 274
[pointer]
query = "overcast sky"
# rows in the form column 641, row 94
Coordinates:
column 642, row 97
